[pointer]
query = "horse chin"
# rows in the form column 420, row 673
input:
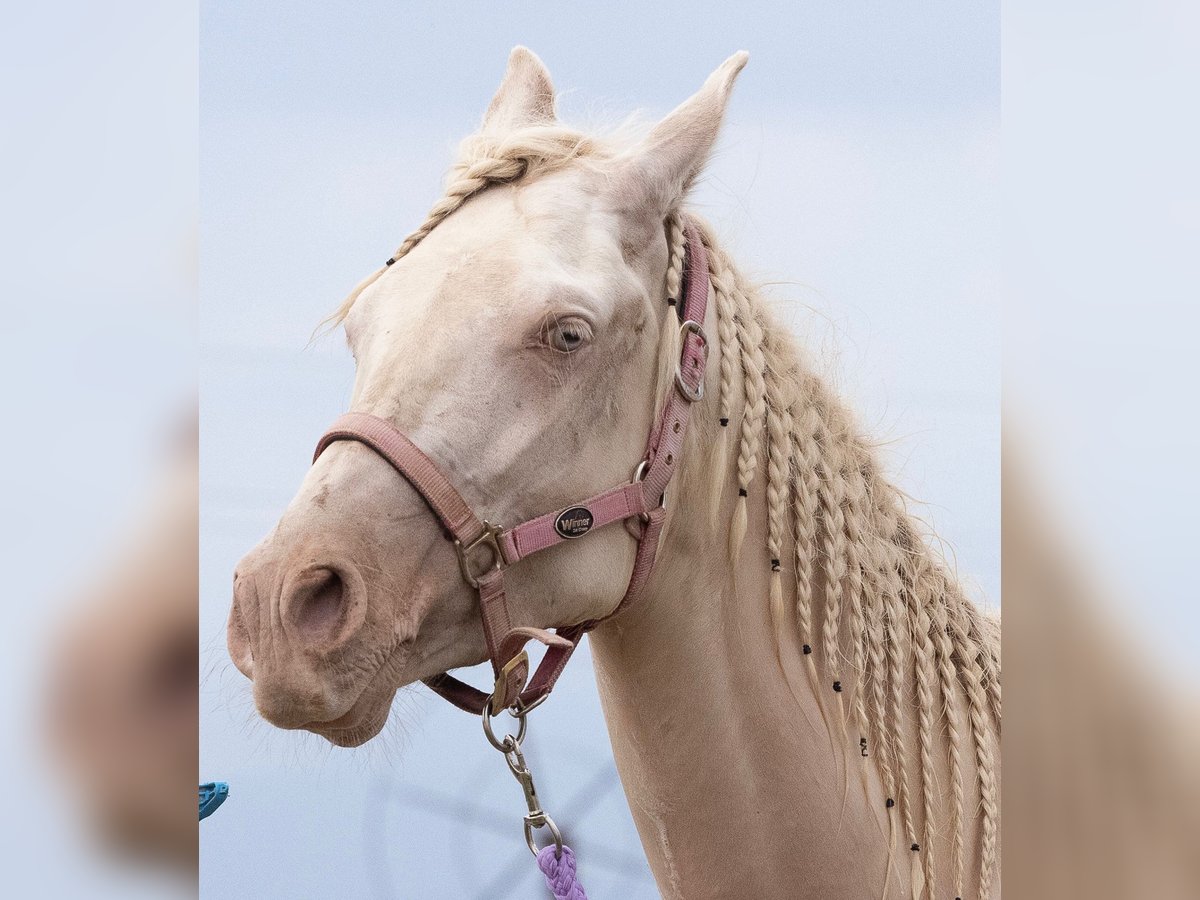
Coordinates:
column 364, row 720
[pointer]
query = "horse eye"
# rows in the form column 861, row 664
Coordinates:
column 568, row 335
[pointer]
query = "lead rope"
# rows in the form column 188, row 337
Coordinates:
column 560, row 873
column 556, row 860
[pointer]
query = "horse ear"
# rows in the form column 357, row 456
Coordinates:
column 661, row 168
column 525, row 96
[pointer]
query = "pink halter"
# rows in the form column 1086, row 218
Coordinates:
column 486, row 550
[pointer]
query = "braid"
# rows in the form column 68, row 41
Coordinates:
column 670, row 344
column 726, row 330
column 971, row 673
column 485, row 160
column 750, row 337
column 805, row 454
column 924, row 665
column 949, row 680
column 993, row 689
column 855, row 594
column 830, row 494
column 894, row 624
column 676, row 245
column 980, row 635
column 779, row 429
column 723, row 281
column 468, row 182
column 876, row 679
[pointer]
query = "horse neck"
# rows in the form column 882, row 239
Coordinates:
column 719, row 750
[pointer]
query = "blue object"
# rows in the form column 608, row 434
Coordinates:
column 212, row 795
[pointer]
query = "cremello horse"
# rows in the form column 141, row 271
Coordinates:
column 803, row 704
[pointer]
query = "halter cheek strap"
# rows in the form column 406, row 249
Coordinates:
column 485, row 550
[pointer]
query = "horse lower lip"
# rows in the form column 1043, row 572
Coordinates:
column 341, row 723
column 352, row 729
column 350, row 720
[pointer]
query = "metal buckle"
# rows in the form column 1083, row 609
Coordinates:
column 490, row 539
column 691, row 394
column 639, row 475
column 507, row 669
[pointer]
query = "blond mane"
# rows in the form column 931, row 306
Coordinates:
column 875, row 606
column 872, row 599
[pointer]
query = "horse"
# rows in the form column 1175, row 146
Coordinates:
column 802, row 702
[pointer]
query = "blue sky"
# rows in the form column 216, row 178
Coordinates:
column 859, row 170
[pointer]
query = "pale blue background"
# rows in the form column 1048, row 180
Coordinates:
column 860, row 165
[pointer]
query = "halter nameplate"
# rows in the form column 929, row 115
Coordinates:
column 574, row 522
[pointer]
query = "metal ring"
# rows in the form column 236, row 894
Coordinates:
column 489, row 539
column 522, row 709
column 509, row 741
column 546, row 822
column 639, row 475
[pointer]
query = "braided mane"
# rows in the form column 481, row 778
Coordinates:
column 875, row 606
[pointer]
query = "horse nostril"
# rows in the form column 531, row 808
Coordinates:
column 318, row 603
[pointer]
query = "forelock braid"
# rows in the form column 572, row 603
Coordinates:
column 486, row 160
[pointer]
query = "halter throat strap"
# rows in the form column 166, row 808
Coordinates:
column 485, row 550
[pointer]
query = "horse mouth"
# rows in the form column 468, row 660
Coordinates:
column 363, row 721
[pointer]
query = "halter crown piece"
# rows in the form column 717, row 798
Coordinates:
column 485, row 550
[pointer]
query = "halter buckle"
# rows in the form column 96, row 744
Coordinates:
column 507, row 669
column 692, row 394
column 639, row 475
column 489, row 539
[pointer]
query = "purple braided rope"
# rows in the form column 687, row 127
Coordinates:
column 560, row 873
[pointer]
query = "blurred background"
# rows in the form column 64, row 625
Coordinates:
column 1101, row 226
column 861, row 166
column 98, row 223
column 858, row 173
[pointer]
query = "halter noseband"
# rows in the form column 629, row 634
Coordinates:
column 485, row 550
